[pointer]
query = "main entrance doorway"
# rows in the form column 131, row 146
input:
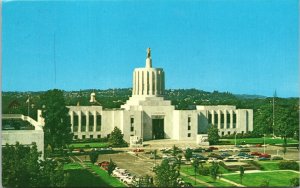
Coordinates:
column 158, row 129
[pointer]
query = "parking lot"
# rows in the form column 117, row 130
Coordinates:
column 139, row 163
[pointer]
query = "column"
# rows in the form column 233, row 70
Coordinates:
column 225, row 118
column 145, row 83
column 87, row 128
column 219, row 119
column 151, row 82
column 140, row 83
column 133, row 83
column 231, row 119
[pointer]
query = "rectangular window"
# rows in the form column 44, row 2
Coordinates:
column 228, row 119
column 222, row 118
column 91, row 120
column 216, row 119
column 189, row 119
column 98, row 121
column 209, row 118
column 234, row 120
column 98, row 136
column 75, row 137
column 131, row 124
column 75, row 129
column 189, row 134
column 223, row 133
column 83, row 136
column 91, row 136
column 228, row 132
column 75, row 120
column 189, row 127
column 83, row 123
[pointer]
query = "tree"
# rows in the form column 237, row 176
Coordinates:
column 214, row 170
column 166, row 175
column 242, row 170
column 93, row 156
column 213, row 135
column 174, row 150
column 22, row 168
column 188, row 154
column 116, row 138
column 195, row 164
column 57, row 129
column 111, row 166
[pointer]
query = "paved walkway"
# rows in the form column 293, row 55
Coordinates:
column 232, row 182
column 261, row 171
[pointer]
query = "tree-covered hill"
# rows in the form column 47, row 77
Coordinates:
column 286, row 109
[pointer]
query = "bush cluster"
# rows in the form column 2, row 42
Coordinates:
column 290, row 165
column 245, row 135
column 256, row 164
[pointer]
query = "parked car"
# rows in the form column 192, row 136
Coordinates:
column 214, row 155
column 265, row 155
column 230, row 159
column 213, row 148
column 138, row 150
column 225, row 155
column 104, row 165
column 198, row 150
column 263, row 159
column 200, row 157
column 245, row 150
column 255, row 153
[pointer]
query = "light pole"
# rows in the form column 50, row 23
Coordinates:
column 264, row 143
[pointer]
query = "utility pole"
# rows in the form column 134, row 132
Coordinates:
column 274, row 112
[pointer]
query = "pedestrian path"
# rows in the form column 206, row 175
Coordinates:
column 232, row 182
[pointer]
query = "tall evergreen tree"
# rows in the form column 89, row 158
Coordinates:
column 57, row 129
column 213, row 135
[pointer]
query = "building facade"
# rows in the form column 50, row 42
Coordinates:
column 147, row 115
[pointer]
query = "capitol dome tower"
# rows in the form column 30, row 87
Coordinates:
column 148, row 81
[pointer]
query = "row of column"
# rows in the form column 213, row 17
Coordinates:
column 87, row 114
column 148, row 82
column 232, row 122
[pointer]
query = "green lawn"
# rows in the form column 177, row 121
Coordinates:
column 269, row 165
column 72, row 166
column 109, row 180
column 81, row 177
column 255, row 179
column 192, row 181
column 190, row 171
column 268, row 140
column 91, row 145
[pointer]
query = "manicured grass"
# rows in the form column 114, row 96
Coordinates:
column 192, row 181
column 91, row 145
column 268, row 140
column 109, row 180
column 276, row 178
column 190, row 171
column 269, row 165
column 72, row 166
column 83, row 178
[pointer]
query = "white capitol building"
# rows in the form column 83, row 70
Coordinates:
column 146, row 115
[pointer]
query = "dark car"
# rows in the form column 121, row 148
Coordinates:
column 200, row 157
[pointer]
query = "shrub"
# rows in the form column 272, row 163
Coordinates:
column 222, row 164
column 277, row 158
column 290, row 165
column 204, row 171
column 294, row 182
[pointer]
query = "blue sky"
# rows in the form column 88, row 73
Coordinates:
column 239, row 46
